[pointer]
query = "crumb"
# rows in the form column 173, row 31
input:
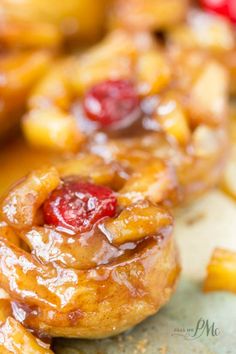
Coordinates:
column 120, row 341
column 162, row 350
column 194, row 219
column 130, row 338
column 141, row 346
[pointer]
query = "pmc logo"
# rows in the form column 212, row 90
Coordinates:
column 203, row 327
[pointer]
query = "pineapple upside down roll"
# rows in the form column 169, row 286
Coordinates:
column 85, row 254
column 131, row 100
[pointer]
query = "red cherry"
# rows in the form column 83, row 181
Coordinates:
column 226, row 8
column 111, row 101
column 79, row 205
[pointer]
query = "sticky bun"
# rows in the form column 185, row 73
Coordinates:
column 129, row 100
column 83, row 252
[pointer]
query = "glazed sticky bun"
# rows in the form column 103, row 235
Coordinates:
column 85, row 251
column 129, row 99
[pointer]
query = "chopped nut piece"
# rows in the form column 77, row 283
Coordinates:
column 221, row 271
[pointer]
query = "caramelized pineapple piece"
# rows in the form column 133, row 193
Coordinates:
column 53, row 89
column 232, row 121
column 19, row 208
column 228, row 181
column 153, row 72
column 14, row 338
column 25, row 35
column 7, row 232
column 208, row 95
column 52, row 129
column 92, row 167
column 147, row 15
column 71, row 18
column 112, row 58
column 173, row 119
column 221, row 271
column 154, row 181
column 19, row 72
column 203, row 30
column 5, row 310
column 229, row 60
column 136, row 222
column 205, row 141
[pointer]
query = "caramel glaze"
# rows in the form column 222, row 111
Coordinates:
column 145, row 140
column 17, row 159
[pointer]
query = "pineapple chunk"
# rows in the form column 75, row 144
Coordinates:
column 5, row 309
column 228, row 182
column 83, row 19
column 15, row 34
column 153, row 72
column 172, row 118
column 113, row 58
column 147, row 14
column 18, row 72
column 53, row 89
column 221, row 271
column 205, row 141
column 208, row 95
column 136, row 222
column 14, row 338
column 7, row 232
column 20, row 206
column 203, row 30
column 92, row 167
column 155, row 181
column 52, row 129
